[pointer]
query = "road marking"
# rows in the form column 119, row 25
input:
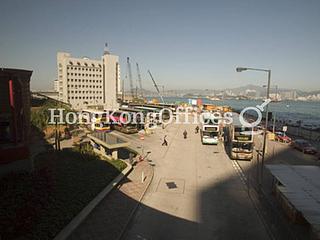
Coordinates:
column 240, row 172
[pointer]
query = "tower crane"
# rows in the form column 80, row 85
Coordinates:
column 130, row 77
column 156, row 86
column 139, row 80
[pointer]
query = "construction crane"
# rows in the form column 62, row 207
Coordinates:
column 139, row 80
column 130, row 77
column 156, row 86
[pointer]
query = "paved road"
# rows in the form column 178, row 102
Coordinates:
column 195, row 194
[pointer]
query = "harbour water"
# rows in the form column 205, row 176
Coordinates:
column 307, row 112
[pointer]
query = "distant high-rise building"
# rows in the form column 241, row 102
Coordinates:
column 289, row 95
column 56, row 85
column 251, row 93
column 84, row 82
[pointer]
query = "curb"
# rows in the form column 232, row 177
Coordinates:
column 135, row 208
column 78, row 219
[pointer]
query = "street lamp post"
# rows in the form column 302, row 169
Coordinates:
column 274, row 113
column 241, row 69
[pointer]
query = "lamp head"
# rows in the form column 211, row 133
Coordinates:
column 240, row 69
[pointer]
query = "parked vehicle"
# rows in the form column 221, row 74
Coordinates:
column 122, row 121
column 304, row 146
column 95, row 120
column 282, row 137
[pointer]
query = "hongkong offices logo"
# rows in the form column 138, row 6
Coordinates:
column 182, row 115
column 258, row 109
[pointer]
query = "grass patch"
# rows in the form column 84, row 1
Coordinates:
column 39, row 205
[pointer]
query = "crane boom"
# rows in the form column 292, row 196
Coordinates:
column 139, row 80
column 156, row 86
column 130, row 77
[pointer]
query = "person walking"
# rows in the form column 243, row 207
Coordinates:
column 197, row 129
column 185, row 134
column 165, row 142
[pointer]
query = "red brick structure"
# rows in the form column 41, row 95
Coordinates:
column 14, row 118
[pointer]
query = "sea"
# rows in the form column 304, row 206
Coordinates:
column 304, row 111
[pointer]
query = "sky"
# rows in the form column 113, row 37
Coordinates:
column 185, row 44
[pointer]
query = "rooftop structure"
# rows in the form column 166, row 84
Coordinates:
column 300, row 186
column 107, row 144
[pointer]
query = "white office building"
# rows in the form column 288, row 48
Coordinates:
column 85, row 82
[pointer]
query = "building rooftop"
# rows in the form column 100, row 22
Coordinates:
column 6, row 71
column 301, row 186
column 108, row 140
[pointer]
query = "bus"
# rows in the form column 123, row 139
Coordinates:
column 95, row 120
column 154, row 113
column 156, row 108
column 239, row 140
column 210, row 130
column 137, row 113
column 122, row 121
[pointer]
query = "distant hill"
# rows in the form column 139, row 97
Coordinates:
column 261, row 91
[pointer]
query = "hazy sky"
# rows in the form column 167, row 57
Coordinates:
column 185, row 44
